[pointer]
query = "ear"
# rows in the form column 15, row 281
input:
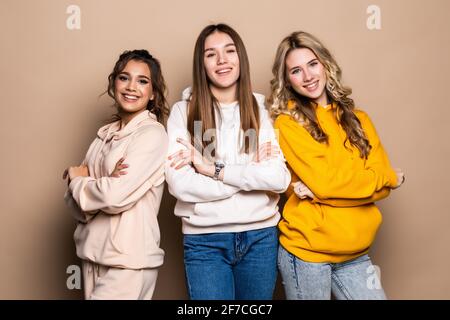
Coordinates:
column 152, row 97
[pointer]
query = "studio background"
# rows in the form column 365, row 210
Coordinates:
column 52, row 76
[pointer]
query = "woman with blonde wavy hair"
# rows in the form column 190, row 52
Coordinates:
column 339, row 169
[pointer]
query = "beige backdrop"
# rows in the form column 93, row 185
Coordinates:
column 51, row 78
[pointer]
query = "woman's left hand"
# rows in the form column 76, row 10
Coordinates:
column 191, row 156
column 119, row 169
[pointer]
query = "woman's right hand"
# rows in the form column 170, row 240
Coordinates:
column 302, row 191
column 118, row 170
column 75, row 171
column 400, row 177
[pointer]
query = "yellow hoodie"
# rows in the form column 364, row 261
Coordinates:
column 341, row 222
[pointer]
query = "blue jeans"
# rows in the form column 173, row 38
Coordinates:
column 231, row 266
column 350, row 280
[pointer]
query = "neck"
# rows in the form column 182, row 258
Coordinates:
column 322, row 100
column 225, row 95
column 126, row 117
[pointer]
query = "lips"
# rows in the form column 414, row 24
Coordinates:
column 223, row 71
column 312, row 86
column 130, row 97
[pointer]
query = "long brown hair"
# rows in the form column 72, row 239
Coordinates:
column 202, row 101
column 158, row 105
column 303, row 109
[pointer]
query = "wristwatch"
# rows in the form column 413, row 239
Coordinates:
column 218, row 167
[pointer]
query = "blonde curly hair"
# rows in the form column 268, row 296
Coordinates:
column 285, row 100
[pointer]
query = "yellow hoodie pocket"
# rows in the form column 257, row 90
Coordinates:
column 349, row 230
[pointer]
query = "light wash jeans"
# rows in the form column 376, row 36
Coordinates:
column 349, row 280
column 229, row 266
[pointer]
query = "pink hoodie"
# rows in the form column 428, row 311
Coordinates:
column 117, row 217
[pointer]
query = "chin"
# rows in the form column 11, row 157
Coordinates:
column 130, row 109
column 225, row 85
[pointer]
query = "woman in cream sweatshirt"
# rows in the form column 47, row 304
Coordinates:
column 339, row 168
column 117, row 236
column 226, row 171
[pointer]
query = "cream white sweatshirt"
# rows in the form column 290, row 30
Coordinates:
column 117, row 217
column 247, row 198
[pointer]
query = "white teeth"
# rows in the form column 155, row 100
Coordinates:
column 130, row 97
column 223, row 71
column 312, row 85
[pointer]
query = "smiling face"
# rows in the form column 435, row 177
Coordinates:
column 306, row 75
column 221, row 61
column 133, row 88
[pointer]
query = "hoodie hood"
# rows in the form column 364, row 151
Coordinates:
column 186, row 94
column 113, row 131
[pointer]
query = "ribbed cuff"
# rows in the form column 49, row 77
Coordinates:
column 233, row 175
column 73, row 183
column 392, row 177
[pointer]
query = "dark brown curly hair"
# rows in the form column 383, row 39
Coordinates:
column 158, row 105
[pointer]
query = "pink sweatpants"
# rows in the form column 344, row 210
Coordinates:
column 107, row 283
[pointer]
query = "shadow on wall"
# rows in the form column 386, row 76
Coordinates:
column 171, row 279
column 279, row 291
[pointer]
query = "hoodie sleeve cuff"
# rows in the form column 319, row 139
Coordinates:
column 74, row 182
column 76, row 187
column 233, row 175
column 392, row 178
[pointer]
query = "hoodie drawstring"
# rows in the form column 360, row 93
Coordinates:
column 97, row 160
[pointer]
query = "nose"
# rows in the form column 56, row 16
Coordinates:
column 131, row 85
column 221, row 58
column 306, row 75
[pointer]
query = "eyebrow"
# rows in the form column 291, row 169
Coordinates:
column 139, row 76
column 306, row 63
column 227, row 45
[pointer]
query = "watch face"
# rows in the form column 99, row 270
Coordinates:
column 218, row 168
column 219, row 165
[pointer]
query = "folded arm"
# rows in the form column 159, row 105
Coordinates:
column 145, row 157
column 308, row 160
